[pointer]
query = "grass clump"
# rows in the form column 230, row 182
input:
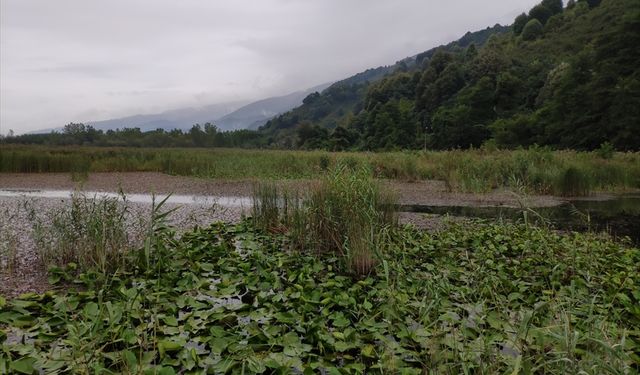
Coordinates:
column 574, row 182
column 345, row 213
column 9, row 239
column 90, row 232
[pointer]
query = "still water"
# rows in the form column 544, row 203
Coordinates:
column 618, row 215
column 224, row 201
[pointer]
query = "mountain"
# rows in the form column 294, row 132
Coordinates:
column 563, row 77
column 226, row 116
column 256, row 114
column 183, row 118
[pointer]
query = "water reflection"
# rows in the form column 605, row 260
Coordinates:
column 225, row 201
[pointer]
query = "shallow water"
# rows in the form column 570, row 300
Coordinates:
column 618, row 215
column 224, row 201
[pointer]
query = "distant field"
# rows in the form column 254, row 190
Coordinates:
column 536, row 170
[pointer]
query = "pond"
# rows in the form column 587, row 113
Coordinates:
column 618, row 215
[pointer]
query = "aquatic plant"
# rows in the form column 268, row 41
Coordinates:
column 474, row 298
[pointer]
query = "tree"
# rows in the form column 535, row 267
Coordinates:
column 555, row 6
column 73, row 128
column 541, row 13
column 532, row 31
column 592, row 3
column 519, row 23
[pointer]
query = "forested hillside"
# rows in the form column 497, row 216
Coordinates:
column 310, row 124
column 567, row 78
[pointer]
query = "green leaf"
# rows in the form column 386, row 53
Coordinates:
column 167, row 371
column 24, row 365
column 130, row 359
column 168, row 346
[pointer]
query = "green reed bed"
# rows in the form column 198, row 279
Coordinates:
column 536, row 170
column 346, row 213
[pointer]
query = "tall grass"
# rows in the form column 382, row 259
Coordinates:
column 9, row 240
column 345, row 213
column 539, row 170
column 90, row 232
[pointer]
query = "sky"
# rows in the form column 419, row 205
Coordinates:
column 78, row 61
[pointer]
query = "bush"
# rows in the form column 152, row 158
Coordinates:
column 606, row 150
column 532, row 30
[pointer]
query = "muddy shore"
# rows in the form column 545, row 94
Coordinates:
column 433, row 193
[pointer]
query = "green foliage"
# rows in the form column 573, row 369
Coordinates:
column 574, row 88
column 476, row 298
column 532, row 30
column 555, row 6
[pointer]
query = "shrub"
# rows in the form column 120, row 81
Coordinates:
column 606, row 151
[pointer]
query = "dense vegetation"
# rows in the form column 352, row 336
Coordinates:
column 537, row 170
column 229, row 299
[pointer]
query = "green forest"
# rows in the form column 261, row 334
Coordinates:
column 563, row 77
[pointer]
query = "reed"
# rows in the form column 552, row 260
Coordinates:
column 345, row 213
column 538, row 170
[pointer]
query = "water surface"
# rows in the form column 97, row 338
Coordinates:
column 224, row 201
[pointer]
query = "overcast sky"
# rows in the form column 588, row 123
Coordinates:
column 78, row 60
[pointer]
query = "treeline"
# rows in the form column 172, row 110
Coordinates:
column 206, row 135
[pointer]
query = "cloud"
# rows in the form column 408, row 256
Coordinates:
column 69, row 60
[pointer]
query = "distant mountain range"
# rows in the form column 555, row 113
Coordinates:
column 183, row 118
column 226, row 116
column 256, row 114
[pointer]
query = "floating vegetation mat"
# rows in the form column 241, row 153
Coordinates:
column 484, row 298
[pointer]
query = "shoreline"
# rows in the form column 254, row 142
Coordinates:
column 428, row 192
